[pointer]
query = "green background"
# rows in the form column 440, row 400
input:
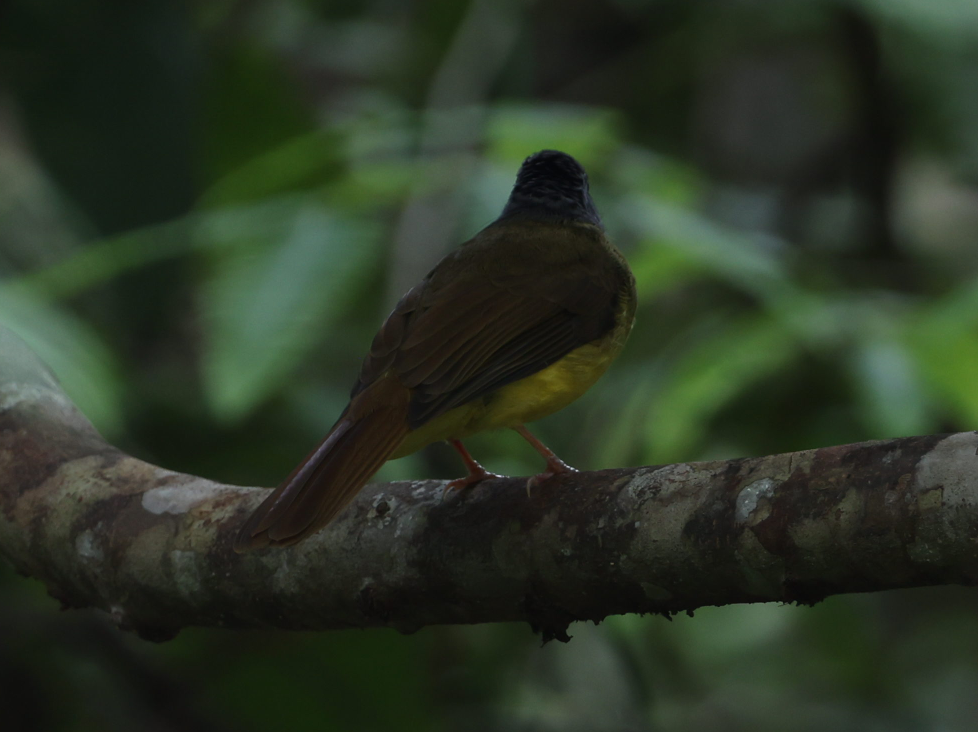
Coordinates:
column 207, row 208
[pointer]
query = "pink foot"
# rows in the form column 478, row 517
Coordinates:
column 464, row 482
column 476, row 474
column 555, row 466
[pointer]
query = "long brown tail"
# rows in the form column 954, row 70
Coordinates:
column 331, row 475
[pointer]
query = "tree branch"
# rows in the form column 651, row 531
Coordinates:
column 153, row 547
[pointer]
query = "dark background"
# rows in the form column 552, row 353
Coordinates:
column 207, row 208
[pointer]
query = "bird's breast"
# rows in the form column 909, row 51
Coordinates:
column 548, row 390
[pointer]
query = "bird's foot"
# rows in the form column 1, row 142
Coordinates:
column 555, row 466
column 477, row 473
column 476, row 476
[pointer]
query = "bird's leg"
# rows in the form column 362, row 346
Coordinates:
column 476, row 471
column 554, row 464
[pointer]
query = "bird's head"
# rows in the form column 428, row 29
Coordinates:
column 551, row 186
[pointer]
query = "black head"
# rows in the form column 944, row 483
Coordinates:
column 551, row 186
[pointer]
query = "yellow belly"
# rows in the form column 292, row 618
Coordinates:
column 526, row 400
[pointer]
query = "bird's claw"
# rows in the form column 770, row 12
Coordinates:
column 555, row 466
column 464, row 482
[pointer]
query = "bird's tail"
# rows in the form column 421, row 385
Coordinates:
column 324, row 483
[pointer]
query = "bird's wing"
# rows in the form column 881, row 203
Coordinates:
column 453, row 341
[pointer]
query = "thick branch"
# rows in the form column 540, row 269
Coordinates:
column 153, row 547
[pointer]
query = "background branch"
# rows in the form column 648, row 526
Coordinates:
column 153, row 547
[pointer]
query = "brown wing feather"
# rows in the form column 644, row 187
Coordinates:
column 453, row 359
column 467, row 336
column 331, row 475
column 532, row 351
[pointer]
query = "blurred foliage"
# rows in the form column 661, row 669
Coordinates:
column 206, row 209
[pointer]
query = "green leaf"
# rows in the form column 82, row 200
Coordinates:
column 273, row 295
column 677, row 244
column 101, row 261
column 710, row 375
column 888, row 388
column 752, row 264
column 950, row 363
column 73, row 350
column 621, row 407
column 948, row 359
column 642, row 172
column 515, row 131
column 948, row 20
column 301, row 163
column 250, row 82
column 660, row 268
column 944, row 342
column 956, row 311
column 221, row 228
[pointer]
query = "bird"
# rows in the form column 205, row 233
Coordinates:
column 515, row 324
